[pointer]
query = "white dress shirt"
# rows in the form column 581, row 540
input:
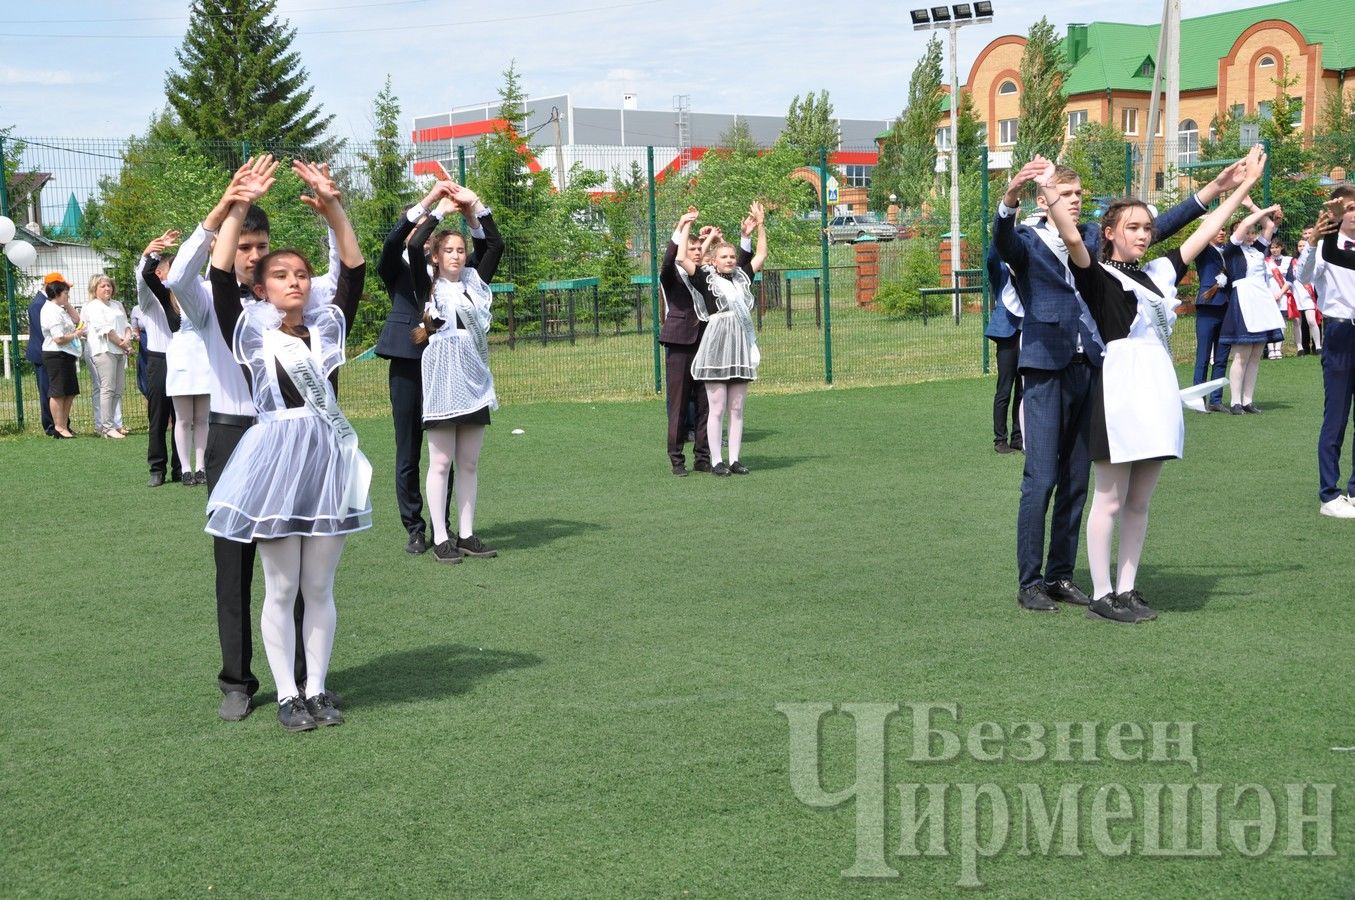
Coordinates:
column 152, row 314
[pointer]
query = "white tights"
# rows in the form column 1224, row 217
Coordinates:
column 1242, row 372
column 1313, row 329
column 448, row 443
column 1123, row 491
column 190, row 429
column 304, row 564
column 717, row 395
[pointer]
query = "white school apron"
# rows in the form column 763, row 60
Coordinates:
column 1141, row 393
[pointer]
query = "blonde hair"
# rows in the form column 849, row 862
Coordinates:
column 97, row 280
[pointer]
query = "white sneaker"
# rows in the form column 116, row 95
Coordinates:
column 1338, row 508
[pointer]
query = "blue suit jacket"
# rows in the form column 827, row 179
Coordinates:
column 1208, row 265
column 34, row 351
column 1053, row 321
column 1001, row 323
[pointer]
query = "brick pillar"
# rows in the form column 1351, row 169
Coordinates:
column 867, row 272
column 944, row 250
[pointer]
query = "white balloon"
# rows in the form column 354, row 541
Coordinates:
column 6, row 229
column 21, row 253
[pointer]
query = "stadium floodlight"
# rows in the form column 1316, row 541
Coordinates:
column 921, row 19
column 940, row 15
column 983, row 9
column 962, row 11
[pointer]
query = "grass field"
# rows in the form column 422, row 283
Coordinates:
column 594, row 712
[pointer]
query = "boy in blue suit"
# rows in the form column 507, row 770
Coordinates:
column 1211, row 303
column 1059, row 361
column 1004, row 330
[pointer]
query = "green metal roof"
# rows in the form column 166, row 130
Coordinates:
column 1116, row 51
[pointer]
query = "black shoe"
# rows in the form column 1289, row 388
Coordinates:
column 1035, row 599
column 156, row 479
column 1001, row 447
column 720, row 469
column 738, row 468
column 680, row 470
column 1112, row 608
column 701, row 466
column 323, row 710
column 1236, row 409
column 446, row 552
column 1142, row 611
column 189, row 480
column 199, row 477
column 473, row 546
column 293, row 715
column 234, row 706
column 1216, row 407
column 1065, row 591
column 1017, row 445
column 1252, row 408
column 417, row 544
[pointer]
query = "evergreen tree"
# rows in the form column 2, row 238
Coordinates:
column 809, row 126
column 1043, row 68
column 387, row 163
column 1097, row 153
column 239, row 80
column 909, row 156
column 967, row 133
column 1334, row 138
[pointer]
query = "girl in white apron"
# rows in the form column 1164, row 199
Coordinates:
column 1253, row 320
column 1136, row 402
column 1280, row 280
column 458, row 388
column 1305, row 304
column 297, row 482
column 728, row 357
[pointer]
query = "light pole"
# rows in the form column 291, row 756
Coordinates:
column 952, row 19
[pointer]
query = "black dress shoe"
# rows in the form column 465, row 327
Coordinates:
column 680, row 470
column 293, row 715
column 721, row 469
column 234, row 706
column 1112, row 608
column 1217, row 407
column 323, row 710
column 1065, row 591
column 417, row 544
column 701, row 466
column 446, row 552
column 1142, row 611
column 156, row 479
column 1035, row 599
column 1252, row 408
column 1236, row 409
column 738, row 468
column 1018, row 445
column 199, row 477
column 1002, row 447
column 473, row 546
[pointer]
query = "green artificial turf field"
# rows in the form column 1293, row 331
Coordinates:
column 594, row 713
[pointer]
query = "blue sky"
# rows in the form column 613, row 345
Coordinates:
column 94, row 68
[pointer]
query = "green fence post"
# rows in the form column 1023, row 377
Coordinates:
column 1265, row 177
column 654, row 274
column 244, row 152
column 10, row 288
column 461, row 163
column 1128, row 169
column 823, row 257
column 987, row 217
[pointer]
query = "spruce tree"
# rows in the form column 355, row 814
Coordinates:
column 809, row 126
column 1043, row 68
column 907, row 165
column 239, row 80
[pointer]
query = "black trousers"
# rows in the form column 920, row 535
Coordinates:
column 234, row 580
column 681, row 389
column 45, row 407
column 160, row 415
column 406, row 392
column 1008, row 396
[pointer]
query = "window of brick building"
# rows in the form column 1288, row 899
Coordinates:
column 1076, row 119
column 1266, row 62
column 1006, row 132
column 858, row 176
column 1007, row 87
column 1188, row 143
column 1129, row 120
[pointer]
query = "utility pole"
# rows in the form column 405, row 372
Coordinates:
column 559, row 149
column 1168, row 69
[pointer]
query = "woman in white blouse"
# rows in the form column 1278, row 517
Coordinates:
column 110, row 337
column 62, row 330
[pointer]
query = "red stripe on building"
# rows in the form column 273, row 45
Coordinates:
column 854, row 157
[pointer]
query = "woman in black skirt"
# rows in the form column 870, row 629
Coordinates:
column 1136, row 402
column 61, row 344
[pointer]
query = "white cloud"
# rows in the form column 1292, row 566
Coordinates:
column 45, row 77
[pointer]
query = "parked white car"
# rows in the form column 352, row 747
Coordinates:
column 851, row 228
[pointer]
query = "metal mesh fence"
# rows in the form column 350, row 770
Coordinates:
column 855, row 290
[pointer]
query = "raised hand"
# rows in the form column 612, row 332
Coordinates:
column 688, row 218
column 1337, row 207
column 1255, row 164
column 1326, row 224
column 256, row 181
column 1232, row 176
column 317, row 178
column 162, row 243
column 463, row 197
